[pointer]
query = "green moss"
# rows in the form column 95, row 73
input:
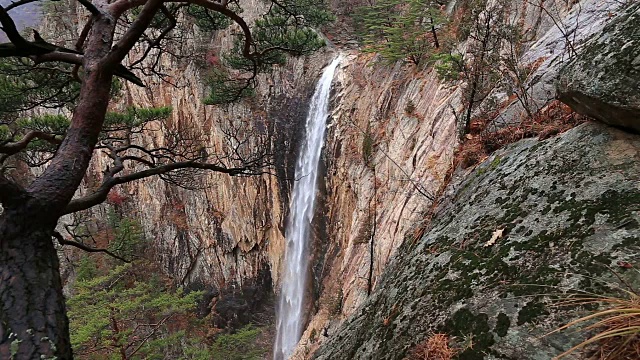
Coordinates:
column 495, row 163
column 537, row 146
column 486, row 265
column 520, row 266
column 597, row 71
column 367, row 147
column 612, row 203
column 466, row 325
column 531, row 311
column 492, row 166
column 502, row 325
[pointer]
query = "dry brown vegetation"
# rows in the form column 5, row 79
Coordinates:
column 435, row 347
column 550, row 120
column 553, row 119
column 613, row 330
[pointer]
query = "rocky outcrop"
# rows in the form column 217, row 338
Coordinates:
column 603, row 80
column 390, row 145
column 537, row 217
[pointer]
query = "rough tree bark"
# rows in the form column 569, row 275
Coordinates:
column 33, row 321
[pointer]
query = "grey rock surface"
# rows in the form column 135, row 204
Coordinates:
column 603, row 80
column 568, row 210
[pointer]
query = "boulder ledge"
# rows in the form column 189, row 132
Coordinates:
column 603, row 80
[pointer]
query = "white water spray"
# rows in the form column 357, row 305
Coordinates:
column 290, row 318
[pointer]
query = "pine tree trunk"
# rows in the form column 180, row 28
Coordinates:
column 33, row 320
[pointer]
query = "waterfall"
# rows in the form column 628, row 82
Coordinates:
column 290, row 317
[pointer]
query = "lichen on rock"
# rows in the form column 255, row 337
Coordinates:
column 569, row 210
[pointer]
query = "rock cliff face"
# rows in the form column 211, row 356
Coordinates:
column 564, row 209
column 391, row 144
column 537, row 212
column 231, row 229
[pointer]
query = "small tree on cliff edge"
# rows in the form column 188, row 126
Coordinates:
column 33, row 320
column 401, row 29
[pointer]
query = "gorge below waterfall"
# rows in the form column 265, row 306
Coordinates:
column 291, row 304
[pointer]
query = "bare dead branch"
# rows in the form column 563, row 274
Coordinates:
column 10, row 29
column 83, row 35
column 58, row 56
column 16, row 4
column 151, row 333
column 108, row 183
column 155, row 43
column 120, row 6
column 86, row 248
column 120, row 50
column 224, row 10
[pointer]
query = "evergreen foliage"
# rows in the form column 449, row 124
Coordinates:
column 223, row 89
column 24, row 87
column 116, row 125
column 401, row 29
column 240, row 345
column 288, row 27
column 117, row 314
column 131, row 313
column 134, row 117
column 86, row 269
column 448, row 66
column 128, row 237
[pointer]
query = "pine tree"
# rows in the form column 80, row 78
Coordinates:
column 401, row 29
column 119, row 315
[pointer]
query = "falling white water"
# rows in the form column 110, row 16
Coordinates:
column 290, row 318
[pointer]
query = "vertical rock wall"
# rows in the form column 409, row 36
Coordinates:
column 233, row 227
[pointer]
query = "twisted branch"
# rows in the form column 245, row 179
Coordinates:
column 84, row 247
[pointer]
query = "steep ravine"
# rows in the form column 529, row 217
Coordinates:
column 390, row 145
column 230, row 231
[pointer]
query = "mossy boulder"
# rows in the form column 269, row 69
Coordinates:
column 567, row 210
column 603, row 80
